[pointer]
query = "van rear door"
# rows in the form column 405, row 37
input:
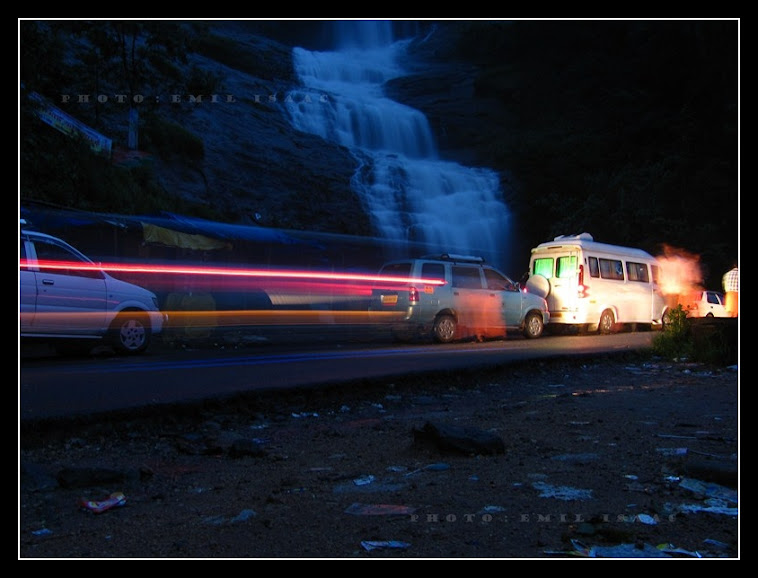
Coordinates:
column 561, row 269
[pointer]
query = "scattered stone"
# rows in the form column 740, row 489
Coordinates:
column 459, row 439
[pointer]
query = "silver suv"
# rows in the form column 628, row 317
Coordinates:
column 452, row 297
column 66, row 299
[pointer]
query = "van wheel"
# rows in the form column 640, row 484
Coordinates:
column 130, row 332
column 607, row 323
column 444, row 328
column 533, row 326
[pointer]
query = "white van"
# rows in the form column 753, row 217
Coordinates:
column 596, row 286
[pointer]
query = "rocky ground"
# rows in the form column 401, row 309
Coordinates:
column 619, row 457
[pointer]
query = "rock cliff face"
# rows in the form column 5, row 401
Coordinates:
column 257, row 168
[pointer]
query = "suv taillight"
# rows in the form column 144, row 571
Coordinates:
column 582, row 290
column 413, row 296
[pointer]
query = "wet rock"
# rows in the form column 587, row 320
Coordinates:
column 244, row 447
column 35, row 477
column 87, row 477
column 720, row 472
column 459, row 439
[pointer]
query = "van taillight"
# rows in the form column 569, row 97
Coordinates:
column 413, row 296
column 581, row 288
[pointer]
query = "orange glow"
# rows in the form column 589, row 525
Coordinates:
column 181, row 319
column 680, row 272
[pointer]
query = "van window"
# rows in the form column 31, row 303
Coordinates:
column 654, row 269
column 433, row 271
column 637, row 272
column 467, row 278
column 594, row 267
column 543, row 266
column 611, row 269
column 565, row 267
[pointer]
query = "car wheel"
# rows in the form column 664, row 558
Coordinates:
column 607, row 323
column 130, row 332
column 533, row 326
column 709, row 315
column 444, row 328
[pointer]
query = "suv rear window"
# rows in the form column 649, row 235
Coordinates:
column 433, row 271
column 397, row 270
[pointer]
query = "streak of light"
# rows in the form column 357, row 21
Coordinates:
column 277, row 317
column 222, row 271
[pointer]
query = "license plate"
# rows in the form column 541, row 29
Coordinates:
column 389, row 299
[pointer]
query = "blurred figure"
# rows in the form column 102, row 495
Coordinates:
column 731, row 283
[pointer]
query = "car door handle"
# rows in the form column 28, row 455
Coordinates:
column 48, row 282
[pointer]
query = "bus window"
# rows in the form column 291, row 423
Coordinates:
column 637, row 272
column 594, row 268
column 656, row 273
column 611, row 269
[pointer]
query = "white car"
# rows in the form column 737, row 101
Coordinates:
column 80, row 302
column 706, row 304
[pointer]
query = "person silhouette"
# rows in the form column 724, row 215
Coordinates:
column 731, row 282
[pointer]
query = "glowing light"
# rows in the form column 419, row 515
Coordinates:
column 212, row 318
column 337, row 297
column 680, row 273
column 224, row 272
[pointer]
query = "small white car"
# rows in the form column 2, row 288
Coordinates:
column 706, row 304
column 80, row 303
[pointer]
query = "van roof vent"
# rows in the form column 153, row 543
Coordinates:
column 579, row 237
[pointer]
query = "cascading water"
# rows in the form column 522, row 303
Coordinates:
column 409, row 193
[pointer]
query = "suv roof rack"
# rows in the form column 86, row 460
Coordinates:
column 456, row 258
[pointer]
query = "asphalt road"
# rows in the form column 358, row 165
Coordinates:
column 53, row 386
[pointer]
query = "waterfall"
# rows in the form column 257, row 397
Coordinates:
column 408, row 191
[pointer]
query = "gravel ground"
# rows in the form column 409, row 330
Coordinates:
column 626, row 456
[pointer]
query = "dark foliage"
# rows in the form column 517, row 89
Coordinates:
column 627, row 130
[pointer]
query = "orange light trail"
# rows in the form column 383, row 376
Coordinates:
column 214, row 318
